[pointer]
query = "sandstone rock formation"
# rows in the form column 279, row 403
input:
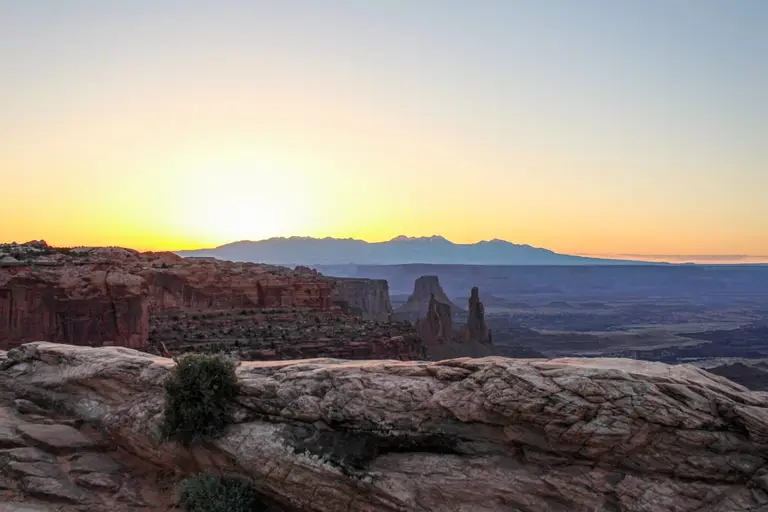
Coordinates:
column 417, row 305
column 477, row 330
column 97, row 295
column 115, row 296
column 489, row 434
column 436, row 326
column 201, row 283
column 434, row 322
column 367, row 298
column 53, row 463
column 77, row 304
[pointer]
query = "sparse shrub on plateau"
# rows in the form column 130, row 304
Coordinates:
column 199, row 393
column 213, row 493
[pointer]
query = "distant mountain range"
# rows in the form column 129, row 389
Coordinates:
column 400, row 250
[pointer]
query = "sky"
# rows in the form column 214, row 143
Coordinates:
column 589, row 127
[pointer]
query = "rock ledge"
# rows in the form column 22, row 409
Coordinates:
column 466, row 434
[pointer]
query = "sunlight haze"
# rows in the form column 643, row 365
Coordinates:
column 588, row 127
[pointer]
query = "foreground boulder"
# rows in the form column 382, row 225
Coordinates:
column 49, row 462
column 467, row 434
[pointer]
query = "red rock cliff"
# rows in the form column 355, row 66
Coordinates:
column 104, row 295
column 77, row 305
column 366, row 298
column 199, row 283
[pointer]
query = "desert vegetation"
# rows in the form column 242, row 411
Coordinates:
column 199, row 393
column 216, row 493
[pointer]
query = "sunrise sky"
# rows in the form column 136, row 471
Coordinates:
column 587, row 127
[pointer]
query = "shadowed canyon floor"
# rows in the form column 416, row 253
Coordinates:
column 470, row 434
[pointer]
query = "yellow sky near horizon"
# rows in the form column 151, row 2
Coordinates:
column 191, row 194
column 158, row 128
column 203, row 191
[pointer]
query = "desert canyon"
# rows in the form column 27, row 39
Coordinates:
column 347, row 402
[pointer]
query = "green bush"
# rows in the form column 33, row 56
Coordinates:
column 199, row 394
column 212, row 493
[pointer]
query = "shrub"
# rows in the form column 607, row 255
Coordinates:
column 199, row 393
column 213, row 493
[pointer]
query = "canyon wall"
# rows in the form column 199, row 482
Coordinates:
column 158, row 301
column 367, row 298
column 77, row 305
column 485, row 435
column 202, row 283
column 106, row 295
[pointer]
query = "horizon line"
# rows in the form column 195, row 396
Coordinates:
column 654, row 257
column 676, row 256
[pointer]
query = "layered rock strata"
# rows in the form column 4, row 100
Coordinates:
column 489, row 434
column 366, row 298
column 52, row 462
column 109, row 295
column 77, row 304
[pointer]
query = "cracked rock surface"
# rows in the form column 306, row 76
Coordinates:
column 48, row 465
column 491, row 434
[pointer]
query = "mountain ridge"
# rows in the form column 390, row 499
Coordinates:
column 435, row 249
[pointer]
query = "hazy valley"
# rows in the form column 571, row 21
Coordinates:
column 701, row 314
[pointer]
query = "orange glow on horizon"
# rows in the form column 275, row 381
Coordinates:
column 529, row 123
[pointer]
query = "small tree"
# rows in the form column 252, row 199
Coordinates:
column 212, row 493
column 199, row 394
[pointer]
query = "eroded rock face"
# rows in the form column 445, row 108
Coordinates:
column 115, row 296
column 53, row 466
column 490, row 434
column 418, row 303
column 477, row 330
column 367, row 298
column 105, row 295
column 74, row 304
column 436, row 326
column 201, row 283
column 433, row 318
